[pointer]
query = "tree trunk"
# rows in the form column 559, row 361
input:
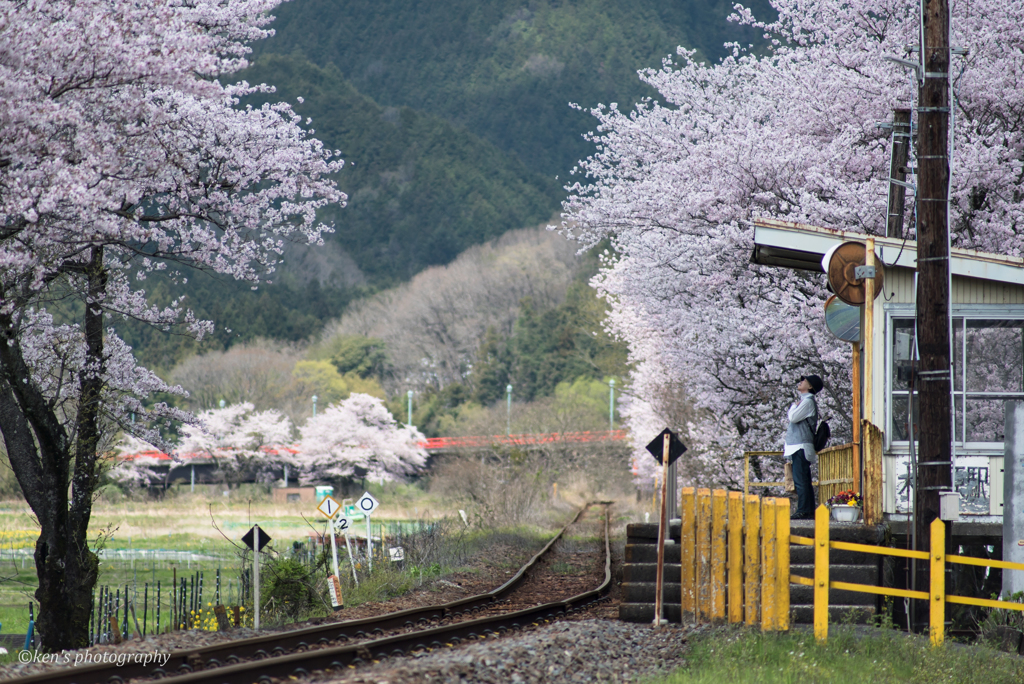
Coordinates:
column 42, row 455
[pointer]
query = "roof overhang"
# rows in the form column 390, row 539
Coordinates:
column 800, row 246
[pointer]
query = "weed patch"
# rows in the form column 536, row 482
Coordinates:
column 739, row 656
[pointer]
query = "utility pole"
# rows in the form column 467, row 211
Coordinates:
column 934, row 465
column 898, row 171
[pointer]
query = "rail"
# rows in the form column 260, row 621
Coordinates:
column 936, row 595
column 225, row 656
column 302, row 664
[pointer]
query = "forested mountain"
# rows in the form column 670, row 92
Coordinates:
column 455, row 124
column 506, row 69
column 421, row 190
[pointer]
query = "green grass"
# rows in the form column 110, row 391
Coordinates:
column 852, row 654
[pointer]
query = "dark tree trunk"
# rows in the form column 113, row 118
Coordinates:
column 48, row 452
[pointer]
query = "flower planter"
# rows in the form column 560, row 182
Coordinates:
column 844, row 513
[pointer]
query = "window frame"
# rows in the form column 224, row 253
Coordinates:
column 961, row 314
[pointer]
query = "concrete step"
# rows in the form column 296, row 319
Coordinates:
column 643, row 592
column 859, row 574
column 856, row 533
column 801, row 595
column 799, row 554
column 837, row 614
column 644, row 612
column 799, row 615
column 648, row 572
column 648, row 553
column 647, row 533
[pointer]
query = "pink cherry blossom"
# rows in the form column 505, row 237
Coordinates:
column 675, row 182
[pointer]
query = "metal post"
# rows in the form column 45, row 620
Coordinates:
column 193, row 479
column 285, row 474
column 256, row 577
column 369, row 544
column 314, row 406
column 409, row 394
column 351, row 560
column 662, row 524
column 508, row 425
column 611, row 404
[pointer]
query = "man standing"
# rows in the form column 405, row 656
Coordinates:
column 799, row 446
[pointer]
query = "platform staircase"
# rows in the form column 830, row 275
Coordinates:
column 641, row 559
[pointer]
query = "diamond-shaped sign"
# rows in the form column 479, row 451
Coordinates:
column 329, row 507
column 675, row 447
column 367, row 504
column 249, row 536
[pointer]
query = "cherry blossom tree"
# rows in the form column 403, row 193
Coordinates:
column 133, row 466
column 675, row 182
column 123, row 151
column 358, row 437
column 242, row 440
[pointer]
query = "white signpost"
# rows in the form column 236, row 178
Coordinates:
column 329, row 507
column 343, row 523
column 367, row 505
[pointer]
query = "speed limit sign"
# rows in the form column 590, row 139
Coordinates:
column 367, row 504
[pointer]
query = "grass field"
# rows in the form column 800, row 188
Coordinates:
column 852, row 654
column 203, row 530
column 145, row 541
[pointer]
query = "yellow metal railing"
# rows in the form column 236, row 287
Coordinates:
column 835, row 471
column 936, row 594
column 735, row 558
column 747, row 484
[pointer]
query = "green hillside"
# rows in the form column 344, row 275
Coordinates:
column 454, row 122
column 505, row 69
column 421, row 190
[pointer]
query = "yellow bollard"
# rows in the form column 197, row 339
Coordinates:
column 703, row 555
column 768, row 564
column 821, row 573
column 937, row 595
column 782, row 565
column 735, row 557
column 688, row 551
column 719, row 499
column 752, row 561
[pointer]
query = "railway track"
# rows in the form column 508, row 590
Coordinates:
column 300, row 652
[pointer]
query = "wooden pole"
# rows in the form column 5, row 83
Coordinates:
column 659, row 585
column 934, row 454
column 898, row 171
column 856, row 418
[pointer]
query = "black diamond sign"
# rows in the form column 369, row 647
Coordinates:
column 248, row 538
column 675, row 447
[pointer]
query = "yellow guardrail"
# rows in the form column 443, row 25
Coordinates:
column 835, row 471
column 735, row 558
column 936, row 595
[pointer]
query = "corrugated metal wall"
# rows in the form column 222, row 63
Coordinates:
column 965, row 290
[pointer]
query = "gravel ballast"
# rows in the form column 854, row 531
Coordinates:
column 577, row 651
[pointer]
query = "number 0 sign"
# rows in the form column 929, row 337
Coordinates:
column 367, row 504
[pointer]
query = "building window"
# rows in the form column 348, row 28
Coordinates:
column 294, row 498
column 988, row 369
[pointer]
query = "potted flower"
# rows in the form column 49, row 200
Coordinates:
column 846, row 506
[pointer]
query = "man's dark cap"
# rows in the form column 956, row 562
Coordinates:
column 815, row 382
